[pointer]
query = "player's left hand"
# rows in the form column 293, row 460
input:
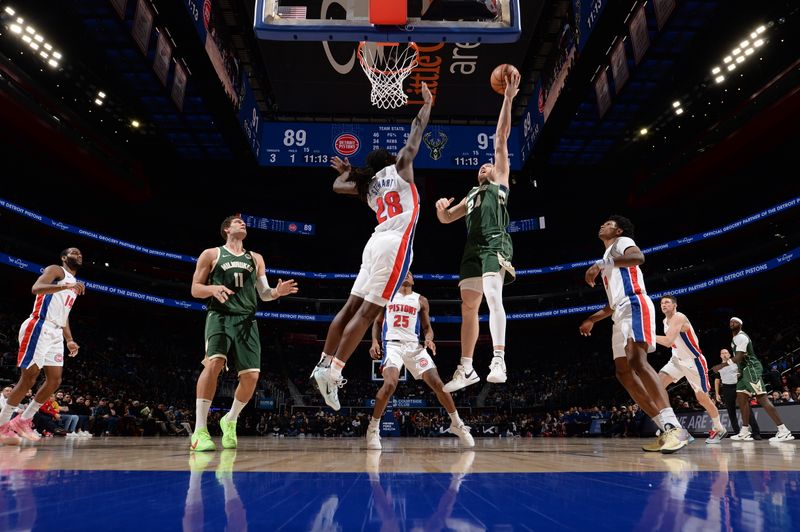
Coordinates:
column 340, row 165
column 284, row 288
column 512, row 85
column 73, row 347
column 430, row 346
column 427, row 97
column 591, row 274
column 586, row 327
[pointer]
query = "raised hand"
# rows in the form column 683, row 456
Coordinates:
column 340, row 165
column 443, row 204
column 221, row 293
column 284, row 288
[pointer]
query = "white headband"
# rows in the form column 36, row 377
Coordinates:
column 737, row 320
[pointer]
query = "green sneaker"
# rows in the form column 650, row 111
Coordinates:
column 227, row 460
column 201, row 441
column 228, row 433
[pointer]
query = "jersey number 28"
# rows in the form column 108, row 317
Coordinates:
column 389, row 206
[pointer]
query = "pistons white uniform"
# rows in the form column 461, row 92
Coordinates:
column 634, row 315
column 401, row 345
column 687, row 359
column 388, row 253
column 41, row 336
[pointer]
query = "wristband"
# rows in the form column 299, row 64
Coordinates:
column 607, row 262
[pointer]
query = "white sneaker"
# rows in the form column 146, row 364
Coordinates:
column 374, row 438
column 464, row 436
column 329, row 387
column 461, row 379
column 744, row 435
column 715, row 437
column 783, row 435
column 497, row 371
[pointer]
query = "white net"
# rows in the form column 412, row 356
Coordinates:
column 387, row 65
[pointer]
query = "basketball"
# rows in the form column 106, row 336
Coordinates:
column 499, row 74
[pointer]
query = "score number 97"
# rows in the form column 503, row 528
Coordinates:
column 484, row 140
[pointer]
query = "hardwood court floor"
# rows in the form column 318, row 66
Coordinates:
column 412, row 484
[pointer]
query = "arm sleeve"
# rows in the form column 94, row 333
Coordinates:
column 265, row 292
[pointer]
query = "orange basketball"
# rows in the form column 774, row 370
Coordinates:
column 499, row 74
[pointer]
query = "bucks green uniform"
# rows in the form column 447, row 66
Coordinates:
column 750, row 382
column 488, row 248
column 231, row 326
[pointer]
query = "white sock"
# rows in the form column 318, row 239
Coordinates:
column 500, row 353
column 374, row 423
column 324, row 360
column 717, row 424
column 236, row 407
column 659, row 422
column 336, row 368
column 455, row 418
column 6, row 413
column 201, row 413
column 668, row 417
column 33, row 407
column 467, row 363
column 782, row 428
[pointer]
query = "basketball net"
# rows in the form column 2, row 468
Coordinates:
column 387, row 65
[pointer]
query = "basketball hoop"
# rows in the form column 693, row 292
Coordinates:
column 387, row 64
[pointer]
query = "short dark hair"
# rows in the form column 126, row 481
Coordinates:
column 65, row 252
column 670, row 296
column 623, row 223
column 226, row 223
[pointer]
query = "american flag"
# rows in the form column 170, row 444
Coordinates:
column 292, row 11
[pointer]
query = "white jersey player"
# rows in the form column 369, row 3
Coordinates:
column 396, row 333
column 386, row 184
column 41, row 343
column 634, row 333
column 687, row 361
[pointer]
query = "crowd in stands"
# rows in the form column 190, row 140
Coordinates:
column 125, row 383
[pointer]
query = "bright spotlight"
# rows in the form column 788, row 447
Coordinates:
column 719, row 79
column 9, row 11
column 759, row 43
column 715, row 70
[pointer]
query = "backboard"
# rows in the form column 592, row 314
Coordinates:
column 426, row 21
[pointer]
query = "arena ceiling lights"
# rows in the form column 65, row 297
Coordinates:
column 740, row 54
column 31, row 38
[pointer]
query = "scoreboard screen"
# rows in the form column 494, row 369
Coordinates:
column 442, row 147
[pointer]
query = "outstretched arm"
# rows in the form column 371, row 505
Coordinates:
column 501, row 165
column 588, row 323
column 341, row 185
column 46, row 283
column 447, row 214
column 409, row 151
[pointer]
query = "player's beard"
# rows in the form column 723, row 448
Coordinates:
column 72, row 263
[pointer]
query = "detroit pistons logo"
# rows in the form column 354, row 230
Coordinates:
column 346, row 144
column 59, row 359
column 292, row 228
column 423, row 363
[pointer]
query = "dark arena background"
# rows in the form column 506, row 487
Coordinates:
column 130, row 129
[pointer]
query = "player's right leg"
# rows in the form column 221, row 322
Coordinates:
column 457, row 426
column 391, row 374
column 336, row 328
column 218, row 345
column 471, row 297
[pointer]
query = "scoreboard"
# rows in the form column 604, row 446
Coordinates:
column 442, row 147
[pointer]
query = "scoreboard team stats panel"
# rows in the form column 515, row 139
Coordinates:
column 442, row 147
